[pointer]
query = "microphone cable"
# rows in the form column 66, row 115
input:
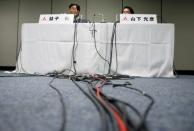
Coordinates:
column 123, row 119
column 63, row 123
column 74, row 47
column 118, row 123
column 101, row 111
column 109, row 113
column 113, row 43
column 95, row 44
column 142, row 125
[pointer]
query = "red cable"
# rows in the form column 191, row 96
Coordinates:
column 119, row 120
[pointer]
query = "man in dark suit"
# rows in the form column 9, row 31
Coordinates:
column 75, row 9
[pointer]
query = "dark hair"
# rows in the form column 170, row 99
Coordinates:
column 129, row 8
column 74, row 4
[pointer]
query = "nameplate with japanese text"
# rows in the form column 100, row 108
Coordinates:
column 138, row 18
column 56, row 18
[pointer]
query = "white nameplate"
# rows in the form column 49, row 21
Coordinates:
column 138, row 18
column 56, row 18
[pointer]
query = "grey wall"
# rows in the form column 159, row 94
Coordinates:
column 8, row 31
column 182, row 14
column 15, row 12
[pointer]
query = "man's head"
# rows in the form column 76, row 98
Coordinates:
column 74, row 9
column 127, row 10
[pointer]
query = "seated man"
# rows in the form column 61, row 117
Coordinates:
column 127, row 10
column 75, row 9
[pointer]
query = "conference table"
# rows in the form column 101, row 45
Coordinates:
column 145, row 50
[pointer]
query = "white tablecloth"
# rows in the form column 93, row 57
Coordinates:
column 142, row 50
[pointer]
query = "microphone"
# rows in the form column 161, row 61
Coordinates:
column 102, row 17
column 94, row 15
column 116, row 17
column 81, row 17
